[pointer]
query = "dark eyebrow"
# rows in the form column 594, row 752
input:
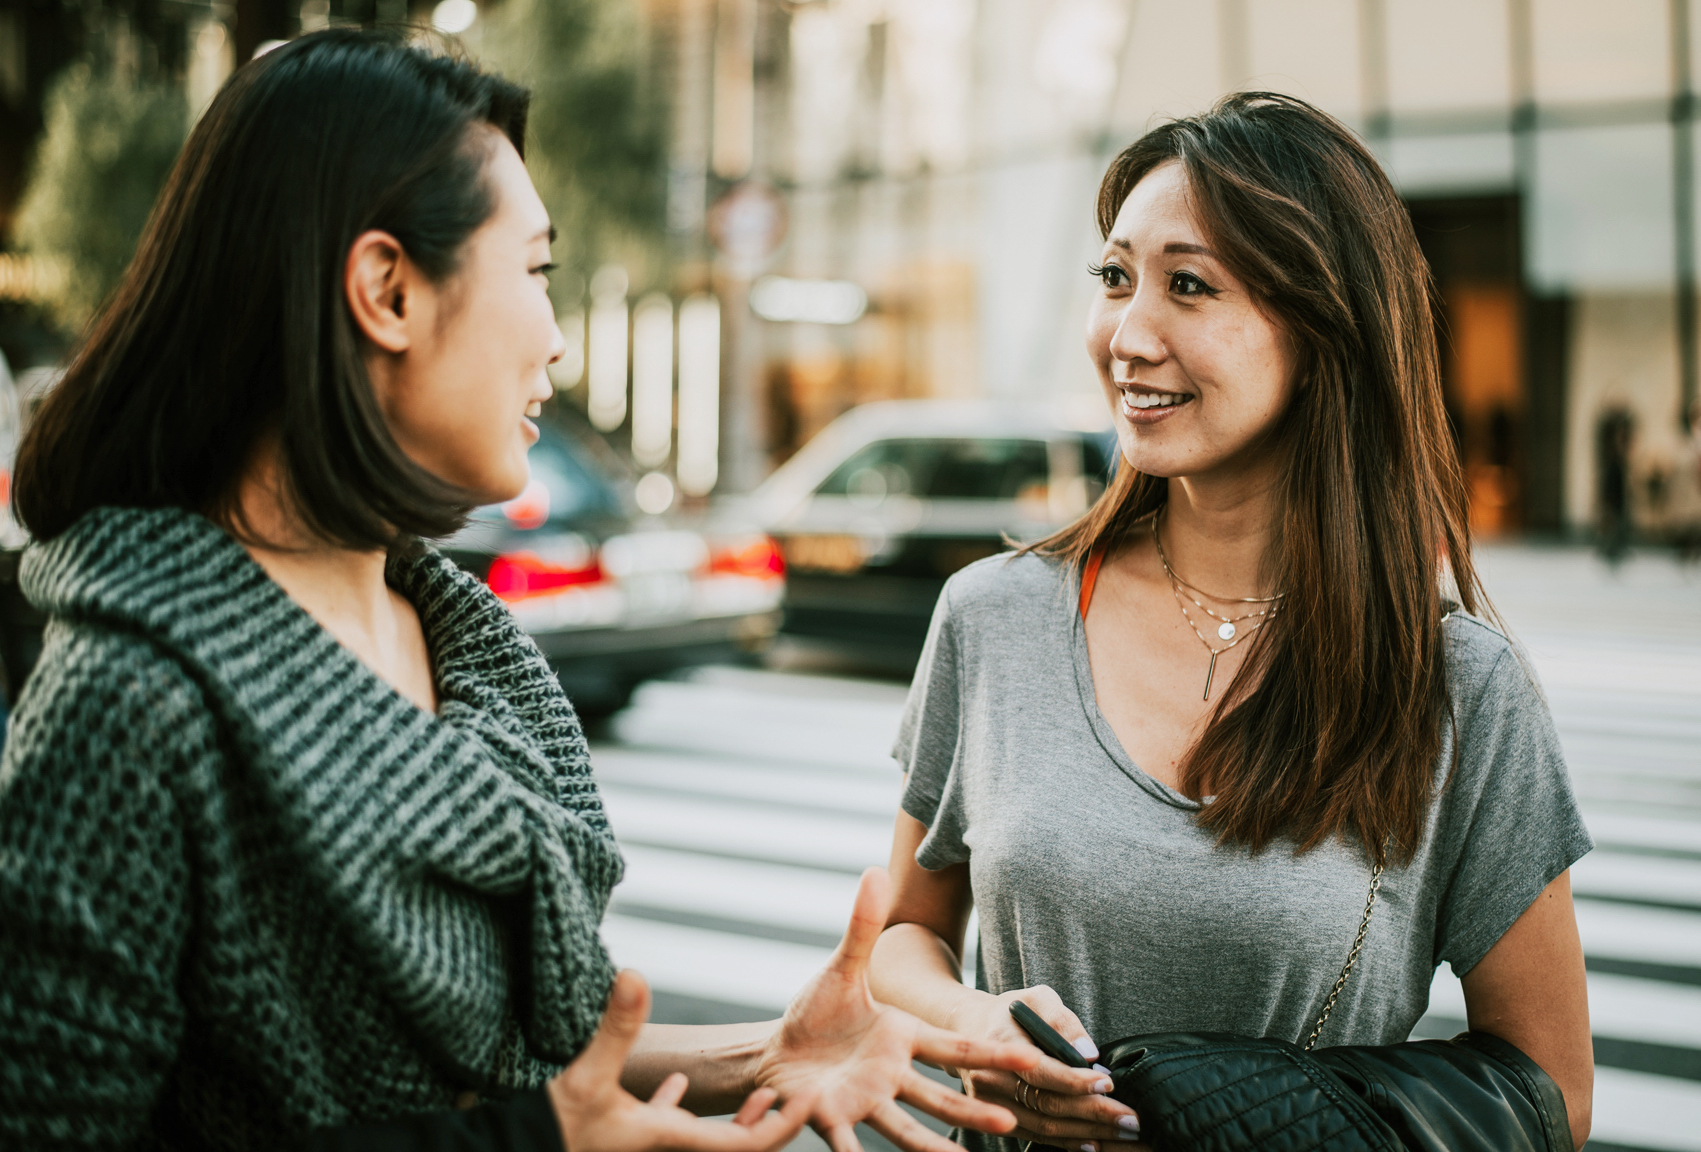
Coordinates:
column 551, row 234
column 1172, row 247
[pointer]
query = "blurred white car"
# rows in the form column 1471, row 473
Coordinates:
column 891, row 498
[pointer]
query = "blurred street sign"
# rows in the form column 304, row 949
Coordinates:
column 746, row 225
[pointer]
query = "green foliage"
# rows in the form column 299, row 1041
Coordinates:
column 108, row 146
column 595, row 142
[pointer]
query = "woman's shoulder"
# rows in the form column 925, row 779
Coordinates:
column 1019, row 582
column 1483, row 662
column 106, row 712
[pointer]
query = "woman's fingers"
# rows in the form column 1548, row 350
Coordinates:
column 1051, row 1117
column 1052, row 1010
column 867, row 922
column 605, row 1055
column 953, row 1050
column 756, row 1106
column 954, row 1108
column 841, row 1137
column 774, row 1130
column 906, row 1131
column 671, row 1091
column 768, row 1134
column 1055, row 1076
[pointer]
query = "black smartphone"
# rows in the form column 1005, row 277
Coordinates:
column 1046, row 1037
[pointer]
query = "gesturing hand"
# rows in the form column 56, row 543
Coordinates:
column 855, row 1054
column 597, row 1115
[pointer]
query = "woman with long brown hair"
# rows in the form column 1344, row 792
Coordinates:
column 1242, row 720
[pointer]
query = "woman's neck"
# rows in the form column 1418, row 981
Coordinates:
column 341, row 588
column 1218, row 537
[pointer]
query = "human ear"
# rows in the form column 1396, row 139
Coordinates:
column 377, row 283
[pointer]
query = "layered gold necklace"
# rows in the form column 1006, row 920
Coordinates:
column 1229, row 628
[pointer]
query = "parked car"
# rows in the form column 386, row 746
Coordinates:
column 886, row 502
column 613, row 596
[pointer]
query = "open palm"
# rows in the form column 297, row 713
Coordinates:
column 854, row 1054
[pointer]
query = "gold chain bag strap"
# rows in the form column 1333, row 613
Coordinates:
column 1352, row 958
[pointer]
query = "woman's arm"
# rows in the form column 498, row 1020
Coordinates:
column 719, row 1059
column 917, row 966
column 1530, row 991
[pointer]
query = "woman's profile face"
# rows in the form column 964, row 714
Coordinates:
column 459, row 398
column 1194, row 371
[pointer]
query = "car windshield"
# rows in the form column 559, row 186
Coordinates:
column 955, row 469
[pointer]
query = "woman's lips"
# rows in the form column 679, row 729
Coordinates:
column 530, row 429
column 1154, row 413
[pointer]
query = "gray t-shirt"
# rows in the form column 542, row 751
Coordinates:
column 1092, row 877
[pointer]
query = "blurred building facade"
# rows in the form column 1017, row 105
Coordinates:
column 944, row 155
column 939, row 159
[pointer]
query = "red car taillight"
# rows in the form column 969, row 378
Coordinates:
column 758, row 559
column 518, row 575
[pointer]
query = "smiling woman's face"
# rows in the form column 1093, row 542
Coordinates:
column 473, row 373
column 1195, row 372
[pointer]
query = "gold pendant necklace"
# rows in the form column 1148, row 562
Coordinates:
column 1226, row 630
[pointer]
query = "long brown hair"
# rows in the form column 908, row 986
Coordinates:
column 1334, row 723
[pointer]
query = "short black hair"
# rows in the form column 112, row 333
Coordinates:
column 231, row 322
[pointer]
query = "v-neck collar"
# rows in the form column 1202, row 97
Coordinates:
column 1088, row 695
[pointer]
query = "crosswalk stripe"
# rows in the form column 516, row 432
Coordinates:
column 760, row 893
column 1619, row 831
column 1659, row 935
column 1641, row 1109
column 870, row 794
column 720, row 966
column 733, row 829
column 1609, row 875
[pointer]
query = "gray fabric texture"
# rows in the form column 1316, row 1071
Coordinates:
column 1094, row 878
column 248, row 888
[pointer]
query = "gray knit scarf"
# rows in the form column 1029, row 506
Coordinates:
column 414, row 826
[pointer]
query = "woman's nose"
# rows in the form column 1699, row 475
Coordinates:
column 1137, row 337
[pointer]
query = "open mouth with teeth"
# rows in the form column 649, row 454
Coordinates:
column 1155, row 399
column 1135, row 398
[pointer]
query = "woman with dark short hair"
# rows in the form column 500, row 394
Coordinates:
column 1235, row 754
column 298, row 833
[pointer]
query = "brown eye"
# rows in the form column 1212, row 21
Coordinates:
column 1109, row 275
column 1187, row 284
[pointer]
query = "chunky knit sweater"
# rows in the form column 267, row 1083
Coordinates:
column 246, row 888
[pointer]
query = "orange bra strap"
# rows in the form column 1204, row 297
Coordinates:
column 1090, row 577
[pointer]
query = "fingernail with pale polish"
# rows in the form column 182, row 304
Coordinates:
column 1089, row 1148
column 1101, row 1069
column 1129, row 1123
column 1087, row 1049
column 1102, row 1086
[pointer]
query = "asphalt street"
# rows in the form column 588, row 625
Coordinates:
column 748, row 802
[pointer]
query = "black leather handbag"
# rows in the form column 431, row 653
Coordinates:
column 1213, row 1092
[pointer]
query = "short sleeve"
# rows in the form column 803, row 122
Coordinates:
column 94, row 884
column 1507, row 821
column 929, row 737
